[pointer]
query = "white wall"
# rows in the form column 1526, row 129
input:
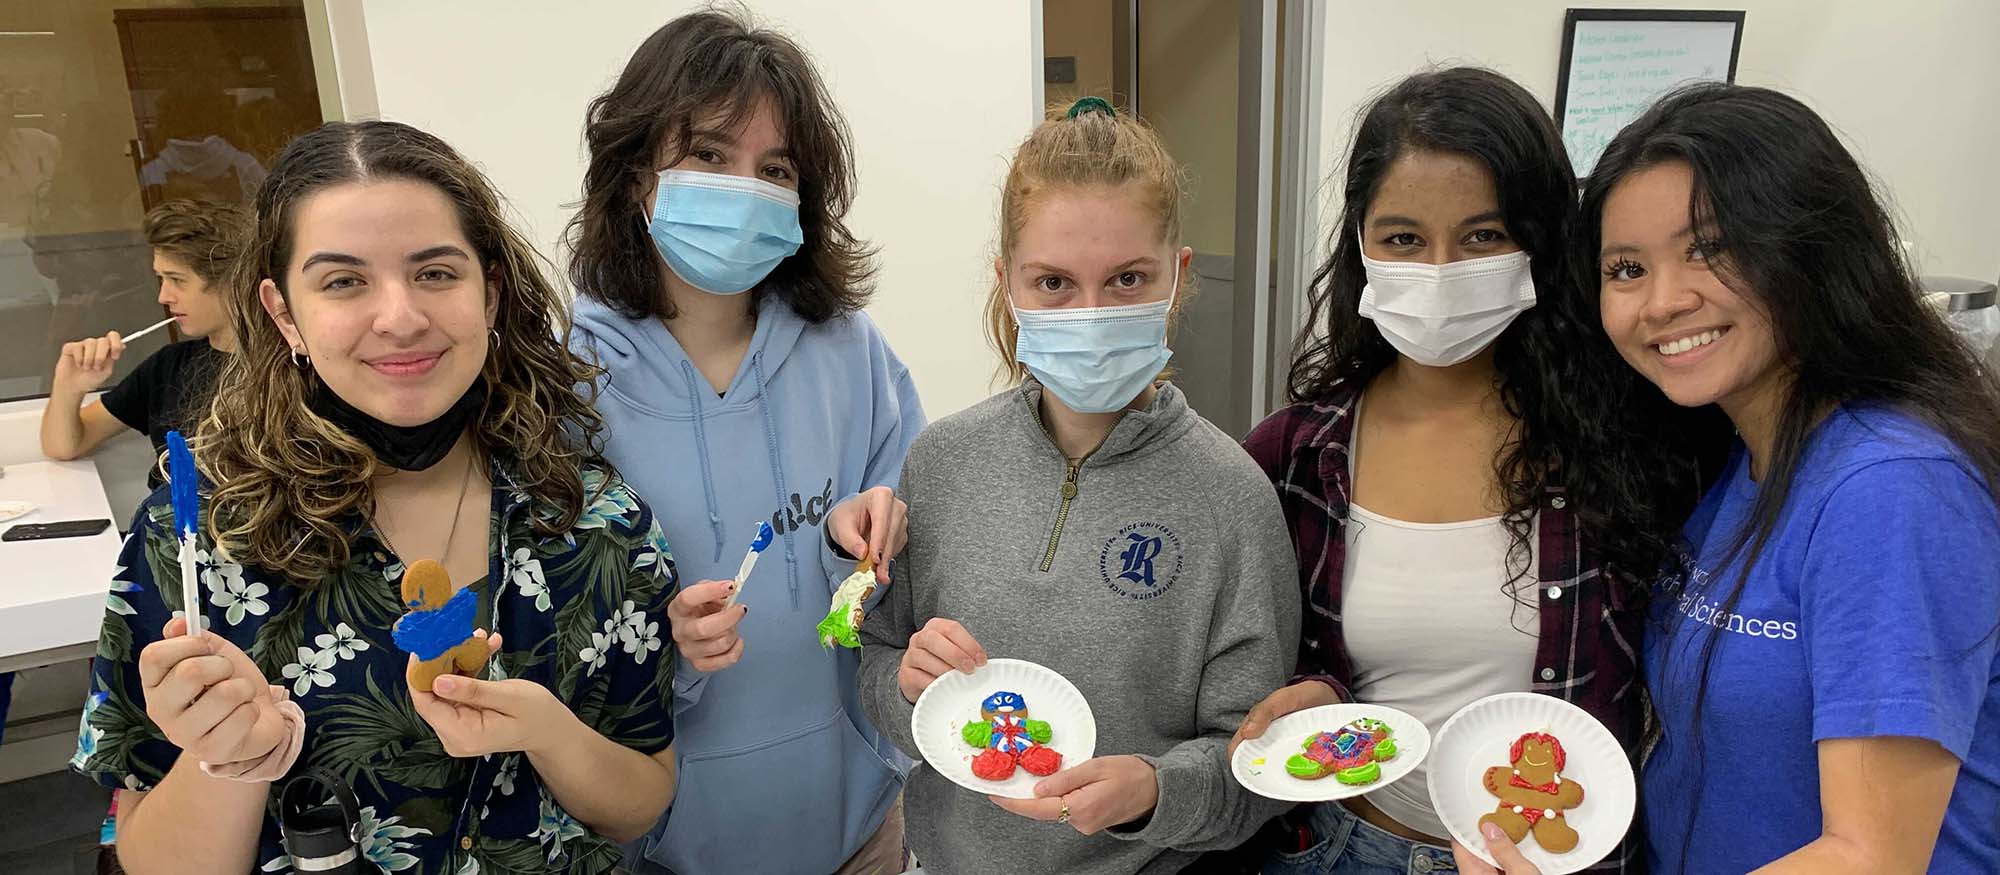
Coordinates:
column 1913, row 87
column 937, row 95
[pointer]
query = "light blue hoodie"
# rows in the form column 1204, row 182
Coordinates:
column 779, row 770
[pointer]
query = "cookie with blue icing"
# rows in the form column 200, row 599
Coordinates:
column 1010, row 738
column 438, row 628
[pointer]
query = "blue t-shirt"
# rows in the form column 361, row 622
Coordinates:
column 1874, row 610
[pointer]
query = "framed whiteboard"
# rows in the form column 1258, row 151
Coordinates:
column 1616, row 62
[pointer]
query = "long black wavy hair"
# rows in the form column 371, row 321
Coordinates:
column 1800, row 232
column 1586, row 421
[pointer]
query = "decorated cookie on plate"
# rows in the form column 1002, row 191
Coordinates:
column 1010, row 738
column 1349, row 754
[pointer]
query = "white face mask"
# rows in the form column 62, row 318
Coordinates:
column 1442, row 314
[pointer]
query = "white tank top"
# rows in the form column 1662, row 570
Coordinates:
column 1430, row 627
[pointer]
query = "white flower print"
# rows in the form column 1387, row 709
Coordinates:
column 600, row 646
column 379, row 841
column 509, row 768
column 644, row 637
column 238, row 598
column 343, row 642
column 217, row 572
column 311, row 670
column 627, row 622
column 527, row 576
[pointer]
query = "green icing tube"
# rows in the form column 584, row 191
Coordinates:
column 976, row 733
column 1300, row 767
column 1361, row 774
column 1038, row 730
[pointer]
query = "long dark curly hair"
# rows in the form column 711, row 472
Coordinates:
column 1586, row 422
column 288, row 483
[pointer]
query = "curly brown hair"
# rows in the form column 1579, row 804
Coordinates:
column 290, row 486
column 694, row 66
column 206, row 236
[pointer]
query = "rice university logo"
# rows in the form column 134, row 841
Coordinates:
column 1141, row 561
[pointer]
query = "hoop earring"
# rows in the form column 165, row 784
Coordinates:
column 299, row 361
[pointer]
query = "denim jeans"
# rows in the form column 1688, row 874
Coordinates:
column 1344, row 844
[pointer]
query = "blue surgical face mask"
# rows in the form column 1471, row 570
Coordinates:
column 1096, row 359
column 723, row 234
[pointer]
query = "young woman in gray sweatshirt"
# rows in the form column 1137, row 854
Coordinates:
column 1089, row 521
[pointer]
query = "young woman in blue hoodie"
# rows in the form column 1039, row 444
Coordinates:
column 722, row 295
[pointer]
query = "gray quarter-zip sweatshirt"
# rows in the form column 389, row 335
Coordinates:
column 1157, row 576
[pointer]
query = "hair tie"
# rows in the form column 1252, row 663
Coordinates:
column 1091, row 104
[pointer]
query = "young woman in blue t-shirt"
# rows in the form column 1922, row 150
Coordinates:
column 1824, row 660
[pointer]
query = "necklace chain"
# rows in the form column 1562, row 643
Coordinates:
column 457, row 512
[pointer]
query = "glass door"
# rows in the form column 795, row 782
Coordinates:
column 1218, row 79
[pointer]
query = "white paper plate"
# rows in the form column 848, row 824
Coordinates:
column 1477, row 738
column 15, row 509
column 1286, row 734
column 953, row 700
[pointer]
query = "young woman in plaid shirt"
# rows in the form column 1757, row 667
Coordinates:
column 1472, row 533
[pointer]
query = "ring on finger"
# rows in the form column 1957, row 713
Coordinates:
column 1063, row 817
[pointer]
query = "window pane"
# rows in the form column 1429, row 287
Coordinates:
column 105, row 111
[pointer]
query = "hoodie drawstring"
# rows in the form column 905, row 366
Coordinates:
column 777, row 469
column 701, row 450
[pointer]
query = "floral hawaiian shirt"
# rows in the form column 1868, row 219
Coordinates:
column 583, row 614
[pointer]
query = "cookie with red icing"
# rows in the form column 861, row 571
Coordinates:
column 1010, row 738
column 1533, row 793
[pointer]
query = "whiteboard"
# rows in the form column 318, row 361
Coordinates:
column 1617, row 62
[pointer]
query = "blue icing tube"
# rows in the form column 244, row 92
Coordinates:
column 183, row 485
column 428, row 634
column 765, row 535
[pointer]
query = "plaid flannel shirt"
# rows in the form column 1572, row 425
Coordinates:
column 1589, row 650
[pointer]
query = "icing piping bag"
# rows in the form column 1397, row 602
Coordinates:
column 765, row 535
column 147, row 330
column 182, row 485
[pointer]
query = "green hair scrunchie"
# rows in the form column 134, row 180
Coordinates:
column 1090, row 104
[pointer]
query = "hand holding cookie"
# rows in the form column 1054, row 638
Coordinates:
column 1509, row 856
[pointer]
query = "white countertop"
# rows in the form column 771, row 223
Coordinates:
column 52, row 592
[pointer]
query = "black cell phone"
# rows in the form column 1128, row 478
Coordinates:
column 63, row 529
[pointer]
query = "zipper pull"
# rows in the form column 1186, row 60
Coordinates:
column 1069, row 484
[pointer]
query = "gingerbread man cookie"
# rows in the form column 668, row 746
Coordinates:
column 438, row 629
column 1534, row 794
column 1010, row 739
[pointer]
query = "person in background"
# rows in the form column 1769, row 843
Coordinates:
column 195, row 245
column 1089, row 521
column 721, row 292
column 1841, row 597
column 1469, row 493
